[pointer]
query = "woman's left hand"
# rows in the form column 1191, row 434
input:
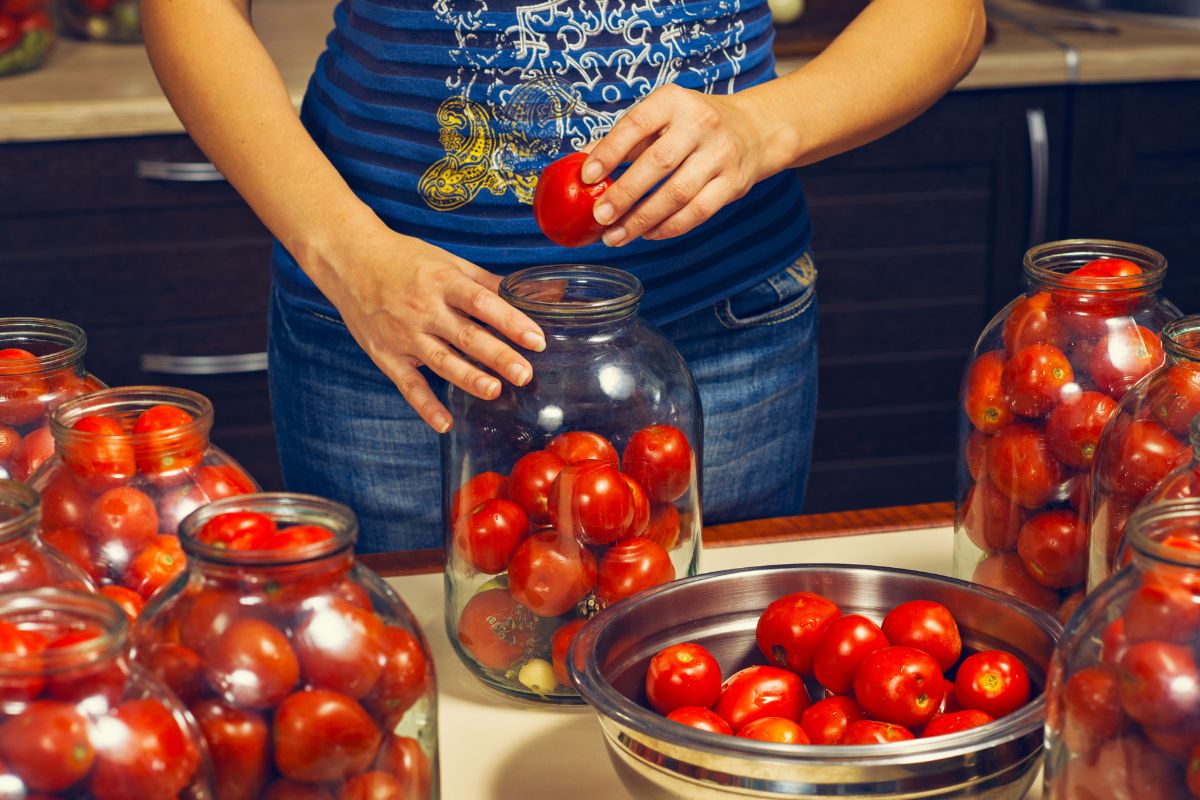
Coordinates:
column 705, row 150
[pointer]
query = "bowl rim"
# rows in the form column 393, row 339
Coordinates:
column 584, row 671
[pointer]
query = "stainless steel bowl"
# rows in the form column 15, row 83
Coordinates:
column 657, row 758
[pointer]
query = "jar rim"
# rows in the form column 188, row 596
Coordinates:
column 302, row 509
column 529, row 290
column 27, row 502
column 1181, row 337
column 1146, row 524
column 83, row 606
column 71, row 338
column 126, row 401
column 1047, row 265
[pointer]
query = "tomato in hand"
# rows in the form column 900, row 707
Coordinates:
column 322, row 736
column 790, row 628
column 956, row 721
column 983, row 393
column 1074, row 426
column 1053, row 546
column 901, row 685
column 700, row 718
column 252, row 664
column 1035, row 378
column 487, row 536
column 683, row 675
column 157, row 564
column 991, row 520
column 1158, row 684
column 774, row 729
column 869, row 731
column 841, row 649
column 166, row 444
column 562, row 203
column 404, row 679
column 591, row 500
column 825, row 721
column 495, row 629
column 1091, row 710
column 1123, row 357
column 238, row 530
column 993, row 681
column 630, row 566
column 759, row 691
column 575, row 446
column 927, row 626
column 530, row 482
column 99, row 454
column 550, row 572
column 1021, row 467
column 142, row 753
column 660, row 459
column 239, row 744
column 48, row 746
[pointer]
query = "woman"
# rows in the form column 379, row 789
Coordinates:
column 400, row 197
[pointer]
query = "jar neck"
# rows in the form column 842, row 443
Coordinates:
column 1162, row 536
column 1048, row 267
column 565, row 299
column 20, row 512
column 124, row 405
column 57, row 346
column 1181, row 341
column 101, row 624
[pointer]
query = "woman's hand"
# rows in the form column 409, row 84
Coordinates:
column 707, row 150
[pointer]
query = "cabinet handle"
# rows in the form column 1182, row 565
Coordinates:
column 204, row 365
column 178, row 171
column 1039, row 169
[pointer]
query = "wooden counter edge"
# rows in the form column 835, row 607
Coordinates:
column 760, row 531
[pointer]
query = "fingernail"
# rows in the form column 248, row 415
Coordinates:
column 533, row 341
column 518, row 375
column 441, row 424
column 603, row 213
column 488, row 387
column 613, row 237
column 591, row 172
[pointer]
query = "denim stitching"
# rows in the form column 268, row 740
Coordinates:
column 778, row 316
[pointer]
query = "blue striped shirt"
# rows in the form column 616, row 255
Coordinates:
column 441, row 114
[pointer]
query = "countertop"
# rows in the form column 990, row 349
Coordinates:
column 93, row 90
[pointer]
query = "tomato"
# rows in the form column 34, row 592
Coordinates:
column 22, row 393
column 298, row 536
column 285, row 789
column 129, row 601
column 155, row 565
column 98, row 6
column 33, row 451
column 774, row 729
column 1174, row 397
column 630, row 566
column 1006, row 572
column 24, row 566
column 1158, row 684
column 790, row 628
column 560, row 645
column 990, row 520
column 660, row 459
column 927, row 626
column 1053, row 545
column 591, row 500
column 222, row 480
column 700, row 718
column 562, row 203
column 99, row 453
column 9, row 439
column 1073, row 427
column 402, row 757
column 983, row 393
column 487, row 536
column 956, row 721
column 1032, row 320
column 76, row 547
column 1137, row 455
column 495, row 629
column 1125, row 768
column 239, row 744
column 1113, row 643
column 682, row 675
column 575, row 446
column 142, row 754
column 404, row 679
column 10, row 36
column 179, row 668
column 977, row 447
column 47, row 745
column 759, row 691
column 481, row 487
column 1091, row 710
column 37, row 21
column 901, row 685
column 251, row 664
column 1162, row 609
column 321, row 736
column 340, row 647
column 238, row 530
column 166, row 445
column 664, row 525
column 1123, row 357
column 993, row 681
column 122, row 521
column 1020, row 465
column 372, row 786
column 844, row 644
column 530, row 481
column 825, row 721
column 550, row 572
column 1089, row 297
column 869, row 731
column 641, row 508
column 22, row 654
column 1035, row 378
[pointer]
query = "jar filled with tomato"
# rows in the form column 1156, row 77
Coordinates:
column 103, row 20
column 1045, row 377
column 28, row 31
column 1123, row 696
column 77, row 718
column 573, row 492
column 25, row 562
column 305, row 671
column 130, row 463
column 41, row 366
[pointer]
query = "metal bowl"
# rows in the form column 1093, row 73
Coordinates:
column 657, row 758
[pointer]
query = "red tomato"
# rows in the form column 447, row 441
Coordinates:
column 238, row 530
column 487, row 536
column 664, row 525
column 21, row 650
column 630, row 566
column 842, row 647
column 660, row 459
column 402, row 757
column 1020, row 465
column 575, row 446
column 223, row 480
column 298, row 536
column 901, row 685
column 1073, row 427
column 239, row 744
column 404, row 680
column 641, row 508
column 1137, row 456
column 48, row 746
column 993, row 681
column 869, row 731
column 484, row 486
column 774, row 729
column 284, row 789
column 179, row 668
column 23, row 394
column 130, row 601
column 1091, row 710
column 562, row 203
column 323, row 736
column 550, row 572
column 166, row 445
column 977, row 447
column 64, row 502
column 825, row 721
column 1032, row 320
column 1034, row 379
column 155, row 565
column 33, row 451
column 1158, row 684
column 10, row 36
column 1053, row 545
column 683, row 675
column 9, row 439
column 494, row 629
column 759, row 691
column 251, row 664
column 701, row 719
column 372, row 786
column 1006, row 572
column 560, row 645
column 76, row 547
column 1125, row 768
column 530, row 482
column 1162, row 609
column 340, row 647
column 208, row 615
column 790, row 628
column 927, row 626
column 990, row 520
column 1113, row 643
column 983, row 393
column 1124, row 357
column 122, row 521
column 1174, row 397
column 98, row 6
column 142, row 754
column 955, row 722
column 37, row 21
column 591, row 500
column 1089, row 297
column 99, row 454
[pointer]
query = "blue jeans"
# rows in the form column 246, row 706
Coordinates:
column 345, row 432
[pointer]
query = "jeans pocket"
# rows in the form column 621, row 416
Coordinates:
column 777, row 299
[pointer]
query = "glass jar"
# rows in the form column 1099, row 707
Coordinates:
column 130, row 463
column 1123, row 694
column 103, row 20
column 572, row 492
column 77, row 718
column 1146, row 440
column 297, row 643
column 41, row 366
column 1045, row 376
column 28, row 31
column 26, row 563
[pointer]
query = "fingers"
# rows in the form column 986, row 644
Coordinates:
column 684, row 186
column 481, row 303
column 714, row 196
column 658, row 161
column 464, row 335
column 415, row 389
column 642, row 122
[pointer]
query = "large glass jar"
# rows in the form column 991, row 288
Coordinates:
column 103, row 20
column 130, row 463
column 41, row 366
column 301, row 665
column 1043, row 380
column 574, row 491
column 77, row 718
column 1145, row 441
column 26, row 563
column 1123, row 695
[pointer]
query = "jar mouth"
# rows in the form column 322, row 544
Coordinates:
column 38, row 605
column 1049, row 265
column 563, row 292
column 1149, row 525
column 1181, row 338
column 20, row 510
column 54, row 343
column 290, row 508
column 124, row 404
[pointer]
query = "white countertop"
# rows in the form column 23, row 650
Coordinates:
column 496, row 748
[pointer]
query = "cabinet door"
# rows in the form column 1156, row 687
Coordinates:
column 918, row 240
